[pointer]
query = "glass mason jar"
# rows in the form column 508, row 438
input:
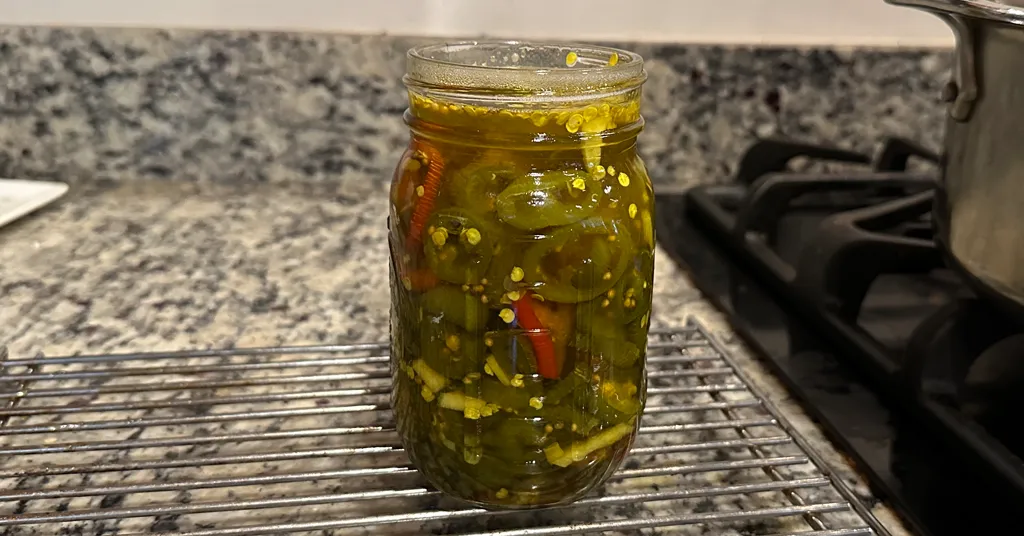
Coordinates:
column 522, row 258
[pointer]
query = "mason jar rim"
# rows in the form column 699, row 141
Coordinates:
column 500, row 68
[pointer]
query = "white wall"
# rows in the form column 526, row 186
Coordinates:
column 837, row 22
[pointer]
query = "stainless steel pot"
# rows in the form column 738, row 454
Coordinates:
column 980, row 203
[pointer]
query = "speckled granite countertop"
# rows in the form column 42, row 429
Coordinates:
column 272, row 107
column 279, row 146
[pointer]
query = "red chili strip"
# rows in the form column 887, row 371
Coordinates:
column 422, row 279
column 431, row 187
column 547, row 364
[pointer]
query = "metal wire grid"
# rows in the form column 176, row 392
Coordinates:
column 299, row 440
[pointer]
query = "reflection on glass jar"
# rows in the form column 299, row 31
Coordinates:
column 522, row 258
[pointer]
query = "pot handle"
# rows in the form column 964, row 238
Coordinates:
column 960, row 92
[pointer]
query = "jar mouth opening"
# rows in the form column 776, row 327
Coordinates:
column 523, row 68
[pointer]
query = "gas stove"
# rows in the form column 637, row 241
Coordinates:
column 833, row 276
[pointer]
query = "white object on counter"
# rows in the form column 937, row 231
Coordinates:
column 18, row 197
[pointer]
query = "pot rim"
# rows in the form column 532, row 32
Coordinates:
column 977, row 9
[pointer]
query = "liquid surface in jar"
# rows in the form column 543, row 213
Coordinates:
column 522, row 280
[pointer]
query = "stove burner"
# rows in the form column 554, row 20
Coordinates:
column 850, row 260
column 968, row 356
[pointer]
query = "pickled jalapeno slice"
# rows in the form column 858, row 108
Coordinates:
column 476, row 187
column 634, row 195
column 403, row 191
column 457, row 246
column 449, row 350
column 606, row 351
column 557, row 319
column 504, row 396
column 636, row 331
column 578, row 262
column 513, row 353
column 548, row 363
column 634, row 292
column 497, row 282
column 451, row 304
column 511, row 432
column 548, row 199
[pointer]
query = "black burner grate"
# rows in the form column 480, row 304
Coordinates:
column 842, row 267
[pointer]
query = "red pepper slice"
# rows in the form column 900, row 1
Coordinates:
column 543, row 347
column 431, row 187
column 422, row 279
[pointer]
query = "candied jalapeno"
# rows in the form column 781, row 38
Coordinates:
column 529, row 432
column 506, row 397
column 632, row 295
column 450, row 303
column 636, row 331
column 476, row 187
column 408, row 176
column 458, row 247
column 498, row 279
column 610, row 345
column 427, row 192
column 540, row 336
column 518, row 356
column 449, row 349
column 631, row 195
column 605, row 393
column 558, row 320
column 512, row 351
column 579, row 261
column 604, row 346
column 548, row 199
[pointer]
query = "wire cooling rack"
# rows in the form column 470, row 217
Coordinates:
column 300, row 440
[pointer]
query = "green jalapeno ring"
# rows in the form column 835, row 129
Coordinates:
column 612, row 347
column 448, row 349
column 498, row 273
column 457, row 245
column 636, row 331
column 604, row 343
column 603, row 264
column 476, row 187
column 634, row 292
column 549, row 199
